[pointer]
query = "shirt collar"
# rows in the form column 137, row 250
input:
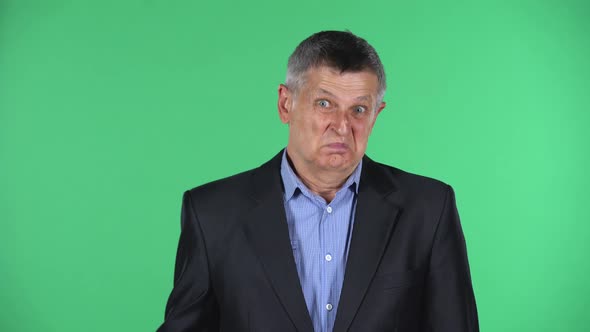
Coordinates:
column 291, row 181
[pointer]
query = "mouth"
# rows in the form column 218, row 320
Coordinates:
column 337, row 146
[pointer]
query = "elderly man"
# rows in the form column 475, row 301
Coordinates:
column 322, row 238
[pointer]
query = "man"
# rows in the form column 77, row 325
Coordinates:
column 322, row 238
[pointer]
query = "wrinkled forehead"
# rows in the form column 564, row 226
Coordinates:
column 360, row 96
column 361, row 85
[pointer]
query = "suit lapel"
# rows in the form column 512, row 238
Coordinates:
column 374, row 222
column 268, row 233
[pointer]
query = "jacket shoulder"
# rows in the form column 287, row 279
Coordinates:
column 410, row 185
column 409, row 177
column 218, row 191
column 231, row 194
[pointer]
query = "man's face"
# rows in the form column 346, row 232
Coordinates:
column 330, row 118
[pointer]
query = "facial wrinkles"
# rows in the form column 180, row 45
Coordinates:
column 344, row 97
column 347, row 92
column 314, row 129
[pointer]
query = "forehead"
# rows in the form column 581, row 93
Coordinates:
column 328, row 80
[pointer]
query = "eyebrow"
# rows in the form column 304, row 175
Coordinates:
column 360, row 98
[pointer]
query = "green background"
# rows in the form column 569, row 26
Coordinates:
column 109, row 110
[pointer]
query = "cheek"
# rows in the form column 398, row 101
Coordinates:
column 317, row 126
column 361, row 131
column 309, row 131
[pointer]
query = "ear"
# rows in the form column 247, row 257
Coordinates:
column 381, row 107
column 285, row 103
column 377, row 112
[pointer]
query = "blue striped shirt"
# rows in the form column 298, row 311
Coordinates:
column 320, row 237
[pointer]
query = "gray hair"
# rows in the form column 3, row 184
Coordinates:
column 340, row 50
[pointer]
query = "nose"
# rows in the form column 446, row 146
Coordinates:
column 341, row 123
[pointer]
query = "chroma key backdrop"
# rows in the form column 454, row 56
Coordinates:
column 109, row 110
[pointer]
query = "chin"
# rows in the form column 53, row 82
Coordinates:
column 337, row 161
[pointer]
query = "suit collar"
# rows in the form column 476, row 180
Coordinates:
column 291, row 181
column 375, row 219
column 376, row 177
column 267, row 230
column 268, row 233
column 266, row 179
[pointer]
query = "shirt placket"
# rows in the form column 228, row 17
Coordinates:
column 327, row 262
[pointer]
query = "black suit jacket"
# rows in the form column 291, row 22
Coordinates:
column 407, row 267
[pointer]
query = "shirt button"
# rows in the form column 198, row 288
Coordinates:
column 329, row 307
column 328, row 257
column 329, row 209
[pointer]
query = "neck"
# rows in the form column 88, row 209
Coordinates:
column 321, row 182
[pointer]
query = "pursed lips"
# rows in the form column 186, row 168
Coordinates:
column 337, row 146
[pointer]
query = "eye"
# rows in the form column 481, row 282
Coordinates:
column 360, row 109
column 323, row 103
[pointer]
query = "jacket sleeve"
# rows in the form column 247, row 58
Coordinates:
column 191, row 305
column 449, row 302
